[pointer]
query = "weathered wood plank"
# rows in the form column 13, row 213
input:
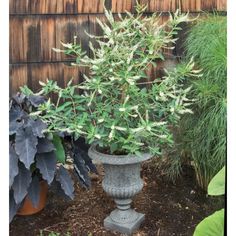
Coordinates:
column 17, row 49
column 209, row 5
column 122, row 6
column 92, row 6
column 32, row 73
column 160, row 5
column 96, row 6
column 56, row 6
column 221, row 5
column 190, row 5
column 18, row 77
column 33, row 37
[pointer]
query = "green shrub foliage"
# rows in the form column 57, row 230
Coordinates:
column 115, row 108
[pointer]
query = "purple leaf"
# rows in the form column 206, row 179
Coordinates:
column 46, row 162
column 81, row 170
column 36, row 100
column 19, row 98
column 13, row 164
column 34, row 191
column 57, row 189
column 25, row 147
column 13, row 207
column 44, row 145
column 21, row 183
column 66, row 182
column 37, row 127
column 15, row 119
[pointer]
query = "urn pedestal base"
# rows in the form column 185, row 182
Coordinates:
column 125, row 228
column 124, row 219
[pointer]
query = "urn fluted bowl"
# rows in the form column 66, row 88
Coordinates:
column 122, row 182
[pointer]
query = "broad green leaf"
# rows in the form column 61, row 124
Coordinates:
column 217, row 185
column 212, row 225
column 60, row 152
column 113, row 147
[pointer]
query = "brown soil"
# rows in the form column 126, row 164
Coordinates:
column 171, row 209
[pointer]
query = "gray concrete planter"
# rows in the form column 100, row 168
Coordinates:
column 122, row 182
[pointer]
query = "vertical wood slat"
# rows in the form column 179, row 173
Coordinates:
column 16, row 40
column 160, row 5
column 18, row 77
column 191, row 5
column 96, row 6
column 31, row 74
column 56, row 6
column 33, row 37
column 221, row 5
column 122, row 6
column 92, row 6
column 209, row 5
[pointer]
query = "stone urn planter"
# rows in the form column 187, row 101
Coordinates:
column 122, row 182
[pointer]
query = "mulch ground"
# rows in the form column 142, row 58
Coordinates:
column 170, row 209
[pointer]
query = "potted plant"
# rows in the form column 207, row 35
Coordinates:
column 124, row 115
column 34, row 157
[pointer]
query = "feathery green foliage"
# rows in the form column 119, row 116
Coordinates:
column 205, row 132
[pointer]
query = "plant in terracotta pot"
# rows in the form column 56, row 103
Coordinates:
column 34, row 156
column 120, row 111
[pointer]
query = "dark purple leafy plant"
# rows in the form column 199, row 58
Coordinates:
column 34, row 155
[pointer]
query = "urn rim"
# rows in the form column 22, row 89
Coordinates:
column 116, row 159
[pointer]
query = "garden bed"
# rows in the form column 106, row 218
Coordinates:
column 171, row 209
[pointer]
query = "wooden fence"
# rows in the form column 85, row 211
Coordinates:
column 36, row 26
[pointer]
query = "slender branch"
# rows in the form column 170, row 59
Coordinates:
column 94, row 122
column 73, row 104
column 150, row 82
column 58, row 100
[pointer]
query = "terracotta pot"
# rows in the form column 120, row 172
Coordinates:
column 28, row 208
